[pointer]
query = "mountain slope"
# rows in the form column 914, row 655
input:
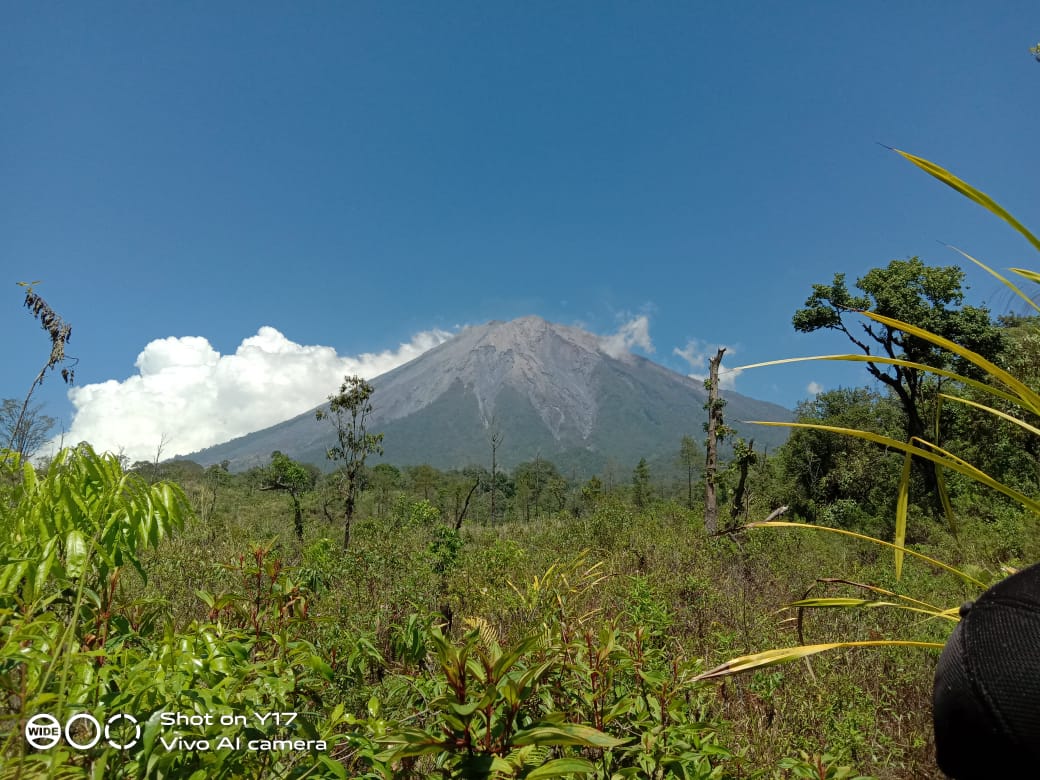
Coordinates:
column 553, row 391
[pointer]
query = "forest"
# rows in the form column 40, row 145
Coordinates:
column 175, row 620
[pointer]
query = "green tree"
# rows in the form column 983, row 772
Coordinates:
column 423, row 479
column 641, row 493
column 591, row 492
column 1000, row 448
column 216, row 477
column 349, row 410
column 840, row 480
column 688, row 458
column 385, row 479
column 291, row 477
column 536, row 480
column 930, row 297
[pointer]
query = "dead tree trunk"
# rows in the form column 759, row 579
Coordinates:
column 746, row 458
column 714, row 431
column 496, row 440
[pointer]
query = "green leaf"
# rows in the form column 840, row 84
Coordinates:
column 75, row 553
column 333, row 766
column 566, row 734
column 464, row 710
column 559, row 767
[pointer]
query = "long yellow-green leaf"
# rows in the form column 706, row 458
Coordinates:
column 880, row 590
column 845, row 602
column 946, row 453
column 874, row 540
column 745, row 663
column 902, row 504
column 970, row 192
column 940, row 476
column 1004, row 280
column 945, row 459
column 1025, row 273
column 982, row 386
column 1010, row 418
column 1025, row 394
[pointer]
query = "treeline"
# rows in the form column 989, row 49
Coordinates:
column 823, row 477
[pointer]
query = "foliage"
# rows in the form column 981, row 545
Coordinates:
column 906, row 291
column 688, row 459
column 834, row 479
column 983, row 376
column 294, row 478
column 67, row 536
column 348, row 411
column 74, row 642
column 567, row 699
column 539, row 487
column 641, row 491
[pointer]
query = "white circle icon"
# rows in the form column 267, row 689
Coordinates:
column 129, row 719
column 42, row 731
column 90, row 719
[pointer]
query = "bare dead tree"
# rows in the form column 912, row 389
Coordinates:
column 163, row 441
column 496, row 440
column 460, row 515
column 59, row 332
column 715, row 429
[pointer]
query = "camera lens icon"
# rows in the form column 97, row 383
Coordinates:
column 45, row 731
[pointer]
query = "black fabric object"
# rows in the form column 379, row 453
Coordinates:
column 986, row 702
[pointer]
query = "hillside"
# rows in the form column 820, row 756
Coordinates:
column 551, row 390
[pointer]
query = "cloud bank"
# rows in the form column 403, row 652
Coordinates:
column 814, row 388
column 634, row 333
column 190, row 396
column 697, row 353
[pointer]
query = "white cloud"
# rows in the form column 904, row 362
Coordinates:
column 697, row 353
column 634, row 333
column 814, row 388
column 188, row 392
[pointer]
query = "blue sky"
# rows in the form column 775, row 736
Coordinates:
column 358, row 176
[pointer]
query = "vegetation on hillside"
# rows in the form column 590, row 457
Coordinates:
column 179, row 621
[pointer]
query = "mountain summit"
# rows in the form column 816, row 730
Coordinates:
column 551, row 390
